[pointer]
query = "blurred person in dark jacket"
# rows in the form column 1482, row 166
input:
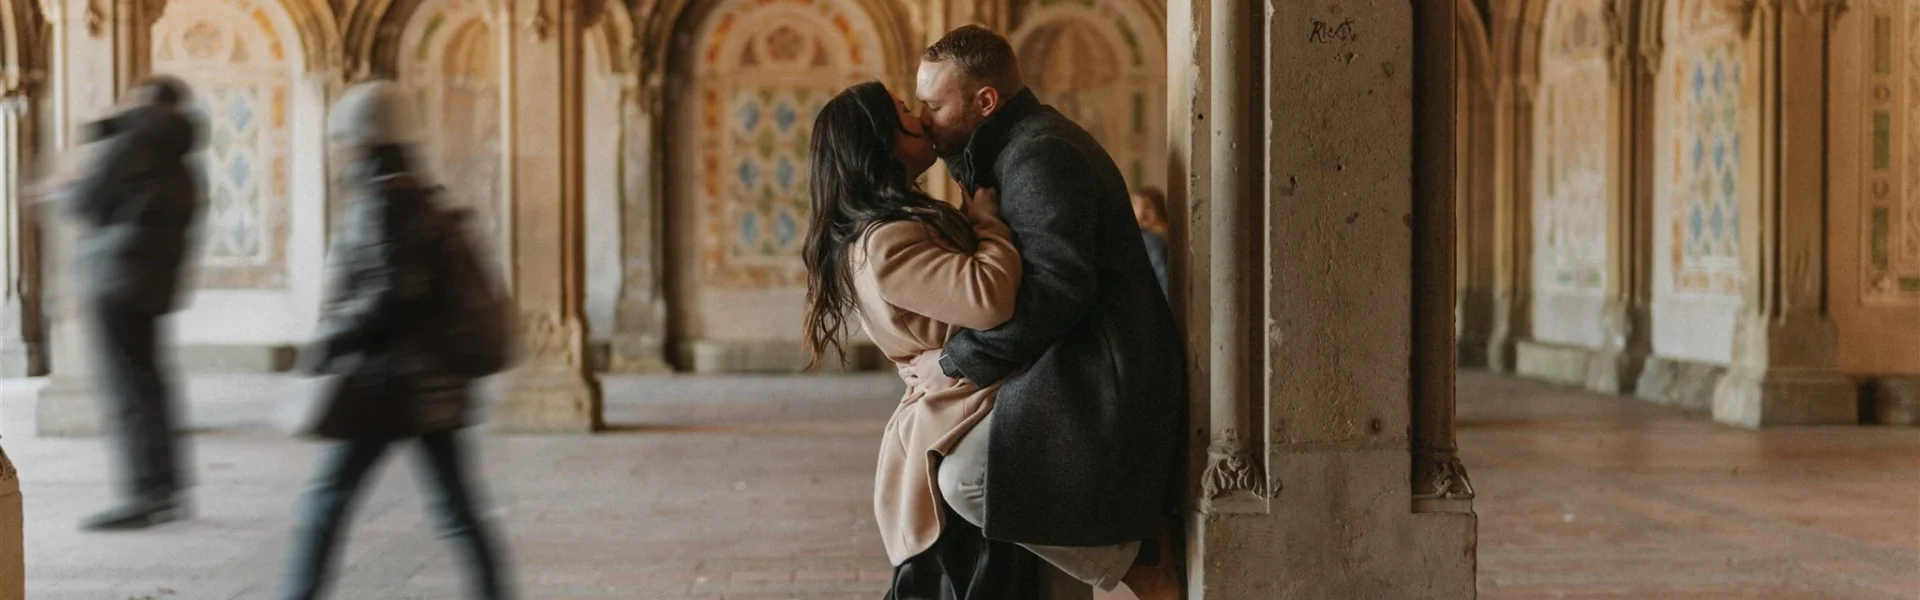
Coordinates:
column 138, row 198
column 391, row 277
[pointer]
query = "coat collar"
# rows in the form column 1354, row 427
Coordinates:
column 984, row 147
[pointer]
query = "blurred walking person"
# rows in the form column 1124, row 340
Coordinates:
column 412, row 319
column 138, row 197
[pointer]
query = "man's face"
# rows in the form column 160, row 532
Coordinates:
column 949, row 110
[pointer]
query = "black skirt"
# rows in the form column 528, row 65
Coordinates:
column 965, row 565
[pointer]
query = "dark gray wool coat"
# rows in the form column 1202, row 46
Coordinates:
column 1087, row 429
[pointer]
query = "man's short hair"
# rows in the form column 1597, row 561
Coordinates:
column 984, row 57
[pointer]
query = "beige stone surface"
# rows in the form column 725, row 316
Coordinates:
column 13, row 563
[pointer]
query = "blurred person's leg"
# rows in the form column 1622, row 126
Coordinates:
column 324, row 509
column 443, row 462
column 136, row 404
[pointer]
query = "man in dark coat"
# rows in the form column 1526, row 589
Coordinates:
column 1087, row 428
column 138, row 200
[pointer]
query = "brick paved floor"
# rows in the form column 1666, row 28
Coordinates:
column 758, row 488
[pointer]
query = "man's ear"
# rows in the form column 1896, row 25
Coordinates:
column 988, row 99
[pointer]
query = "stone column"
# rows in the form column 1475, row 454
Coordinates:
column 1513, row 220
column 1474, row 209
column 1615, row 366
column 13, row 552
column 1440, row 481
column 639, row 338
column 1784, row 363
column 1233, row 481
column 1639, row 60
column 1336, row 515
column 21, row 344
column 552, row 390
column 99, row 49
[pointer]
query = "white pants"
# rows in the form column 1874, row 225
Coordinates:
column 963, row 482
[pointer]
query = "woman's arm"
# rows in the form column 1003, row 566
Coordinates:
column 919, row 274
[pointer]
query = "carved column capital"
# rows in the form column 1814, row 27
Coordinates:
column 1440, row 480
column 1233, row 482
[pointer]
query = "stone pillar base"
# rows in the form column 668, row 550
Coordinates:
column 1341, row 522
column 1553, row 363
column 1501, row 354
column 629, row 355
column 1684, row 384
column 13, row 555
column 1896, row 401
column 67, row 407
column 547, row 401
column 773, row 356
column 21, row 359
column 235, row 358
column 1604, row 370
column 1473, row 354
column 1786, row 397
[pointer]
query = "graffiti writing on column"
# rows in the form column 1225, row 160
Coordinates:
column 1327, row 33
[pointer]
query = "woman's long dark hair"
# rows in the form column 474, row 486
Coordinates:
column 857, row 185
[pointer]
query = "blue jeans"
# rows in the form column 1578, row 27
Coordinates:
column 331, row 495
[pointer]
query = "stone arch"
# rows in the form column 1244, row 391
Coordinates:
column 448, row 59
column 264, row 176
column 749, row 75
column 1102, row 63
column 312, row 27
column 1572, row 166
column 1704, row 179
column 670, row 21
column 21, row 51
column 241, row 60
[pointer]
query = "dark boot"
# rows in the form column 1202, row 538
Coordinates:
column 136, row 515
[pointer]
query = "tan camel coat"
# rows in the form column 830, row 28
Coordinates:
column 914, row 292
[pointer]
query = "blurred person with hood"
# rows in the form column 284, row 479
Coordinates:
column 138, row 197
column 403, row 292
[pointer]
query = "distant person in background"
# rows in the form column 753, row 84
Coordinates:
column 405, row 276
column 1150, row 209
column 138, row 198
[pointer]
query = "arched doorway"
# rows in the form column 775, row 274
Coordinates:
column 1103, row 64
column 745, row 92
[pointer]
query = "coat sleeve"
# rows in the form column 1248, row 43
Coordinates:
column 370, row 281
column 1047, row 199
column 922, row 275
column 89, row 198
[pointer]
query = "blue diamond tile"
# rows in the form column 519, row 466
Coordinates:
column 1699, row 152
column 784, row 116
column 1694, row 222
column 749, row 115
column 239, row 169
column 749, row 173
column 785, row 228
column 239, row 113
column 783, row 172
column 749, row 227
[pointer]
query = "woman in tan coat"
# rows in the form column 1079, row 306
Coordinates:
column 916, row 270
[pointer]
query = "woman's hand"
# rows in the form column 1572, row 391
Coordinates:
column 984, row 205
column 923, row 373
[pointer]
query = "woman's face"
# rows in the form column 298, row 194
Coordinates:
column 911, row 146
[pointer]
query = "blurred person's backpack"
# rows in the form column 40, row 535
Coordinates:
column 475, row 329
